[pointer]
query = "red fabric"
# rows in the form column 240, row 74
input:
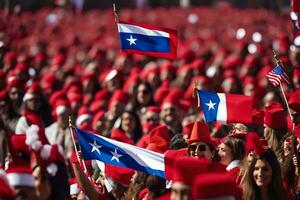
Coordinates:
column 191, row 165
column 200, row 133
column 234, row 103
column 234, row 174
column 34, row 118
column 120, row 135
column 144, row 141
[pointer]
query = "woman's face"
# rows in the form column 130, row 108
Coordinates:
column 143, row 94
column 267, row 133
column 180, row 192
column 250, row 157
column 200, row 150
column 262, row 173
column 128, row 122
column 225, row 154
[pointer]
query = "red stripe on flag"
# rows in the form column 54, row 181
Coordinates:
column 239, row 108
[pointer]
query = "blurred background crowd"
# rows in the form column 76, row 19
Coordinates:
column 64, row 60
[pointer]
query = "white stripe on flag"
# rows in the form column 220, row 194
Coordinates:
column 144, row 157
column 127, row 28
column 222, row 109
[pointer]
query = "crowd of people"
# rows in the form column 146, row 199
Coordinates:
column 57, row 66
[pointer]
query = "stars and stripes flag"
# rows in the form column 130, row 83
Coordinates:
column 148, row 40
column 277, row 76
column 108, row 151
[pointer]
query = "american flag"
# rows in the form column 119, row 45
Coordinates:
column 277, row 75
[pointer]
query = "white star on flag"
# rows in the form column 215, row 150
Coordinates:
column 210, row 105
column 96, row 147
column 116, row 156
column 131, row 40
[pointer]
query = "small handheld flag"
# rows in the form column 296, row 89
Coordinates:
column 228, row 108
column 277, row 75
column 148, row 40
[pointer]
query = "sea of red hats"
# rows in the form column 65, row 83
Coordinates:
column 55, row 64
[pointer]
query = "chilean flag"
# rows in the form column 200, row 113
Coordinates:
column 228, row 108
column 148, row 40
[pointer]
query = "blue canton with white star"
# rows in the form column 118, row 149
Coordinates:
column 141, row 42
column 209, row 103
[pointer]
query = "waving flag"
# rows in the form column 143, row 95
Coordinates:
column 277, row 75
column 148, row 40
column 95, row 147
column 228, row 108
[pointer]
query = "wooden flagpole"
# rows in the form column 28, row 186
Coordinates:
column 74, row 143
column 279, row 62
column 115, row 13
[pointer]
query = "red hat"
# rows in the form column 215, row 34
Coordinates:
column 168, row 66
column 161, row 131
column 294, row 101
column 6, row 192
column 130, row 83
column 40, row 57
column 59, row 59
column 119, row 174
column 214, row 186
column 21, row 67
column 158, row 144
column 173, row 97
column 74, row 97
column 200, row 133
column 253, row 143
column 102, row 94
column 118, row 96
column 84, row 114
column 187, row 55
column 10, row 57
column 109, row 75
column 170, row 158
column 187, row 129
column 231, row 61
column 153, row 109
column 186, row 169
column 162, row 92
column 275, row 117
column 98, row 116
column 97, row 105
column 60, row 94
column 152, row 70
column 16, row 146
column 296, row 73
column 14, row 81
column 20, row 176
column 258, row 117
column 119, row 135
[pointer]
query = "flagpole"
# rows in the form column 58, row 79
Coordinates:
column 74, row 144
column 115, row 13
column 279, row 62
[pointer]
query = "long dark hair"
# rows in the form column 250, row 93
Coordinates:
column 137, row 132
column 135, row 104
column 287, row 167
column 251, row 191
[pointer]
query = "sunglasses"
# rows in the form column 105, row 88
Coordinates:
column 201, row 147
